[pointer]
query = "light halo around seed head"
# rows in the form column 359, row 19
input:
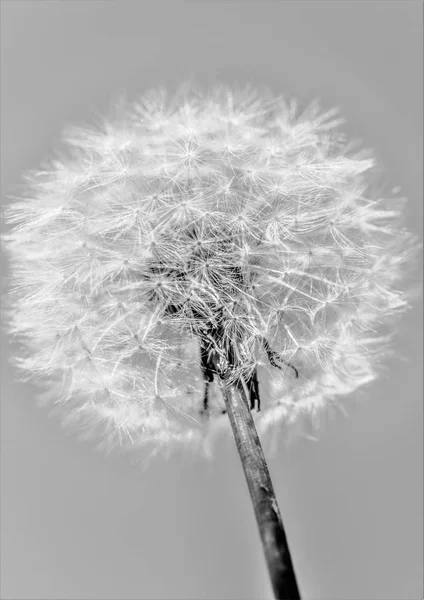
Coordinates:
column 231, row 200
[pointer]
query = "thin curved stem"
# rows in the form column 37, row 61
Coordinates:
column 264, row 502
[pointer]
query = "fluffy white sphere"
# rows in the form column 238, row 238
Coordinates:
column 232, row 205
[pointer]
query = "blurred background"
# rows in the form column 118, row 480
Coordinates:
column 78, row 524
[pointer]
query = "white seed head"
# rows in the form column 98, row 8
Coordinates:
column 231, row 205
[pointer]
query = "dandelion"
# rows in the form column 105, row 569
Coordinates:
column 201, row 255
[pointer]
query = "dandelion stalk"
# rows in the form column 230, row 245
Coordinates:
column 225, row 234
column 267, row 513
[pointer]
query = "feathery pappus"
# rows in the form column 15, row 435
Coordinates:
column 203, row 235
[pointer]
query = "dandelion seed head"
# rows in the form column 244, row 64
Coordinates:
column 232, row 201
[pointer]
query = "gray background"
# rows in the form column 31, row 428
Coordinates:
column 79, row 524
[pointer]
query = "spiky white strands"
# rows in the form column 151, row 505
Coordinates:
column 126, row 249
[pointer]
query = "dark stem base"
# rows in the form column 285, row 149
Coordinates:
column 265, row 505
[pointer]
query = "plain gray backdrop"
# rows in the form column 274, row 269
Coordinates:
column 81, row 524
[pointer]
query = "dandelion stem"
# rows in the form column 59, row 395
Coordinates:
column 274, row 541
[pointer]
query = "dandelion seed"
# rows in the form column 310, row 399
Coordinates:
column 224, row 236
column 261, row 203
